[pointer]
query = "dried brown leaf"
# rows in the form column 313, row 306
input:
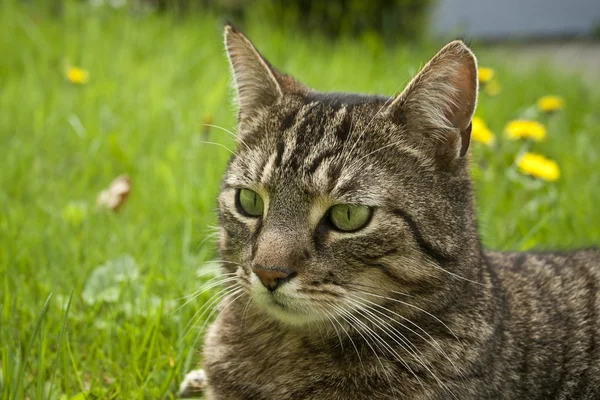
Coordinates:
column 117, row 193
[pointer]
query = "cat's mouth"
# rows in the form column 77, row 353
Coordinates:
column 272, row 300
column 286, row 306
column 277, row 302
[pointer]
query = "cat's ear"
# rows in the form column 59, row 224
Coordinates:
column 258, row 84
column 440, row 101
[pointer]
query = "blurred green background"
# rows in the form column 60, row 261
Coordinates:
column 92, row 90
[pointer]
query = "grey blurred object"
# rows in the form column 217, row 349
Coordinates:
column 516, row 19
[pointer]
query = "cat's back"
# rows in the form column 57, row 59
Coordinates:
column 576, row 273
column 547, row 322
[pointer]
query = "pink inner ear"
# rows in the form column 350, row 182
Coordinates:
column 465, row 83
column 438, row 104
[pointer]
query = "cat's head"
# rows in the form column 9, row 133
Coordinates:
column 336, row 201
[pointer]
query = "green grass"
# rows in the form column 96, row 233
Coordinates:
column 153, row 82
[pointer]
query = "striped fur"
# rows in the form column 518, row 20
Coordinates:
column 410, row 306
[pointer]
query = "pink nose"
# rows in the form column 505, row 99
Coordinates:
column 272, row 277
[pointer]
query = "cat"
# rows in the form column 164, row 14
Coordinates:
column 353, row 264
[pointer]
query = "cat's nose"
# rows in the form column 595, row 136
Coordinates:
column 272, row 277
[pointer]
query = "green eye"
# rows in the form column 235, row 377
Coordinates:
column 349, row 218
column 250, row 202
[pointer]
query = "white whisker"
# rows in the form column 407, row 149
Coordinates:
column 214, row 299
column 373, row 287
column 431, row 340
column 327, row 315
column 220, row 302
column 245, row 312
column 204, row 289
column 350, row 338
column 220, row 145
column 237, row 137
column 239, row 292
column 346, row 315
column 387, row 327
column 362, row 311
column 201, row 288
column 412, row 306
column 435, row 265
column 210, row 236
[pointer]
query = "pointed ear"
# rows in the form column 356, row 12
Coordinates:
column 440, row 101
column 258, row 84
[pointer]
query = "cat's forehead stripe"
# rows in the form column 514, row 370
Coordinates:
column 322, row 147
column 313, row 144
column 268, row 168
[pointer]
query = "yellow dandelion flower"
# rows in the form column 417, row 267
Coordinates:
column 485, row 75
column 481, row 133
column 77, row 75
column 549, row 104
column 523, row 129
column 539, row 166
column 492, row 88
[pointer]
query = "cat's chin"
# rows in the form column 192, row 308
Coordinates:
column 285, row 308
column 292, row 317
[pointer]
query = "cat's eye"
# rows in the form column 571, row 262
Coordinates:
column 250, row 203
column 349, row 217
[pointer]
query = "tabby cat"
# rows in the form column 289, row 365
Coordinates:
column 353, row 263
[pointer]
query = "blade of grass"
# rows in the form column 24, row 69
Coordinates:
column 41, row 358
column 4, row 355
column 152, row 345
column 74, row 364
column 60, row 338
column 38, row 325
